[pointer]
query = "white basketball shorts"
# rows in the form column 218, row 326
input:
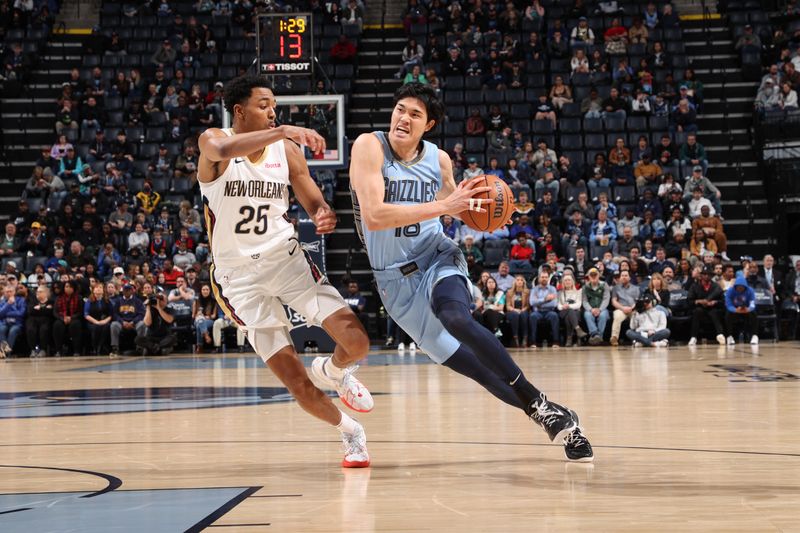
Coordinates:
column 253, row 295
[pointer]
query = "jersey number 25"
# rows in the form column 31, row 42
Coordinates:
column 249, row 213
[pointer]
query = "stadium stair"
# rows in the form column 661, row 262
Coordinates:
column 28, row 120
column 725, row 129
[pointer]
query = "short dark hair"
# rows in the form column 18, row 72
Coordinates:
column 425, row 93
column 238, row 90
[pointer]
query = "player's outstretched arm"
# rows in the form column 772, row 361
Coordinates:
column 308, row 193
column 366, row 180
column 217, row 146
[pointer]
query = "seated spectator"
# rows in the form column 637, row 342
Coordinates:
column 469, row 249
column 788, row 97
column 12, row 318
column 157, row 338
column 343, row 51
column 791, row 297
column 701, row 244
column 181, row 292
column 127, row 316
column 706, row 298
column 577, row 234
column 623, row 299
column 545, row 110
column 579, row 62
column 570, row 301
column 684, row 118
column 602, row 235
column 592, row 106
column 615, row 105
column 518, row 311
column 222, row 323
column 353, row 15
column 557, row 46
column 450, row 227
column 648, row 325
column 697, row 202
column 616, row 38
column 669, row 18
column 494, row 303
column 548, row 183
column 544, row 305
column 36, row 242
column 165, row 55
column 97, row 312
column 412, row 55
column 147, row 198
column 543, row 152
column 622, row 246
column 768, row 97
column 357, row 302
column 712, row 226
column 651, row 16
column 475, row 125
column 666, row 189
column 581, row 203
column 504, row 280
column 186, row 164
column 638, row 33
column 652, row 227
column 495, row 79
column 620, row 159
column 603, row 203
column 595, row 300
column 647, row 173
column 70, row 165
column 692, row 153
column 582, row 35
column 205, row 311
column 415, row 75
column 748, row 40
column 521, row 254
column 641, row 105
column 740, row 303
column 39, row 322
column 69, row 320
column 547, row 205
column 560, row 93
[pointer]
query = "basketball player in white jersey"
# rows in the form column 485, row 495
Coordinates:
column 258, row 266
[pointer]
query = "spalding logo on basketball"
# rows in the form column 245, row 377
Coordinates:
column 497, row 213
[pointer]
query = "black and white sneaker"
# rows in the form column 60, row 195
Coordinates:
column 577, row 447
column 555, row 419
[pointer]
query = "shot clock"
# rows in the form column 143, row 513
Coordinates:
column 287, row 44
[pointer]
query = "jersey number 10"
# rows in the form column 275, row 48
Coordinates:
column 249, row 213
column 411, row 230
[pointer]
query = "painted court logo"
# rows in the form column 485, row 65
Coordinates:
column 43, row 404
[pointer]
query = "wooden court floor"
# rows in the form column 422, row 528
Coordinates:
column 704, row 439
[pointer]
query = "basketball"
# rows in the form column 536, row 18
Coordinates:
column 497, row 213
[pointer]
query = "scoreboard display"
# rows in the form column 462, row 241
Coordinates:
column 287, row 44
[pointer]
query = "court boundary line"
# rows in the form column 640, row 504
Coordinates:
column 222, row 510
column 467, row 443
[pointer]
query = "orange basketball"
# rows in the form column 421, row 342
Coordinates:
column 498, row 213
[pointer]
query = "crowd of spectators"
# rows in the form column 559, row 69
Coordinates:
column 107, row 250
column 774, row 49
column 578, row 109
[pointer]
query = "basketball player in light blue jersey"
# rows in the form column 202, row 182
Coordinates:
column 401, row 185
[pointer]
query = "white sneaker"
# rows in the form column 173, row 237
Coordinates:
column 731, row 342
column 754, row 340
column 721, row 339
column 401, row 347
column 636, row 344
column 725, row 257
column 661, row 344
column 355, row 449
column 412, row 347
column 351, row 391
column 5, row 349
column 692, row 341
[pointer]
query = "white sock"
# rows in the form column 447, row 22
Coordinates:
column 347, row 424
column 331, row 370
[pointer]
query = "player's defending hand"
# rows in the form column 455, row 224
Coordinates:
column 305, row 137
column 462, row 198
column 325, row 220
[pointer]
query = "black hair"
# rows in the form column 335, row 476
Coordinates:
column 426, row 94
column 238, row 90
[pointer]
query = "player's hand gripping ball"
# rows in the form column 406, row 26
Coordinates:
column 497, row 203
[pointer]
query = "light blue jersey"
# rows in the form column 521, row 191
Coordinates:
column 414, row 183
column 408, row 262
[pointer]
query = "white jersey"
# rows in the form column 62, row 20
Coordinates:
column 245, row 208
